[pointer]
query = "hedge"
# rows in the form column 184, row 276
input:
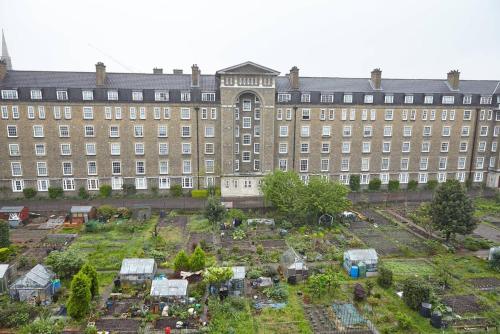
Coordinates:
column 199, row 193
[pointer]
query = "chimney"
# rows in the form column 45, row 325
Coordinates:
column 157, row 70
column 3, row 69
column 376, row 78
column 177, row 71
column 195, row 76
column 453, row 79
column 294, row 78
column 100, row 74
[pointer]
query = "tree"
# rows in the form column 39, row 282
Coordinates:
column 55, row 192
column 281, row 189
column 198, row 259
column 354, row 183
column 321, row 196
column 181, row 262
column 393, row 185
column 384, row 278
column 80, row 296
column 374, row 184
column 422, row 217
column 4, row 234
column 91, row 273
column 65, row 263
column 319, row 284
column 105, row 190
column 214, row 211
column 452, row 211
column 29, row 192
column 214, row 275
column 415, row 292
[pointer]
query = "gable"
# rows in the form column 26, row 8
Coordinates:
column 248, row 68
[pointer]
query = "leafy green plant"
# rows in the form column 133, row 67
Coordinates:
column 374, row 184
column 415, row 292
column 199, row 193
column 319, row 284
column 106, row 211
column 475, row 244
column 393, row 185
column 176, row 190
column 384, row 278
column 214, row 275
column 239, row 234
column 55, row 192
column 412, row 185
column 236, row 214
column 181, row 262
column 91, row 273
column 355, row 182
column 65, row 263
column 4, row 254
column 214, row 210
column 431, row 184
column 29, row 192
column 83, row 193
column 105, row 191
column 80, row 296
column 278, row 292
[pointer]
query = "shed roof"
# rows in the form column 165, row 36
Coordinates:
column 3, row 270
column 12, row 209
column 77, row 209
column 38, row 277
column 238, row 272
column 137, row 266
column 361, row 254
column 169, row 287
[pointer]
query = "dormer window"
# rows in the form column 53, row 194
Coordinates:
column 62, row 95
column 485, row 99
column 161, row 95
column 137, row 95
column 87, row 95
column 305, row 98
column 284, row 97
column 36, row 94
column 447, row 99
column 347, row 98
column 389, row 99
column 467, row 99
column 112, row 95
column 428, row 99
column 185, row 96
column 408, row 99
column 210, row 97
column 368, row 98
column 327, row 98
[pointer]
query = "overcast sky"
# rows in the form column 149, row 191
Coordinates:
column 410, row 39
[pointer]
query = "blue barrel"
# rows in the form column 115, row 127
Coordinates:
column 354, row 272
column 109, row 304
column 56, row 285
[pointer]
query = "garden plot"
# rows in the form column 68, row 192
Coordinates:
column 463, row 304
column 321, row 318
column 122, row 326
column 387, row 238
column 485, row 283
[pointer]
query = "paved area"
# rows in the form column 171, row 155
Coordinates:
column 488, row 232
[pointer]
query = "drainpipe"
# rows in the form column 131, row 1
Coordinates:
column 197, row 109
column 295, row 108
column 474, row 140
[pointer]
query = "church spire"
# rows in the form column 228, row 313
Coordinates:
column 5, row 53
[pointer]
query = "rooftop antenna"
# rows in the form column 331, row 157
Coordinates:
column 112, row 58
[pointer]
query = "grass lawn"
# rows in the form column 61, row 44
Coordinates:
column 409, row 267
column 198, row 223
column 486, row 207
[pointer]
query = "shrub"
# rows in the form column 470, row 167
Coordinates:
column 4, row 234
column 4, row 254
column 369, row 287
column 129, row 189
column 55, row 192
column 495, row 261
column 80, row 296
column 91, row 273
column 83, row 193
column 42, row 325
column 393, row 185
column 474, row 244
column 359, row 293
column 354, row 183
column 29, row 192
column 125, row 213
column 199, row 193
column 181, row 262
column 198, row 259
column 384, row 278
column 431, row 184
column 404, row 321
column 105, row 190
column 176, row 190
column 374, row 184
column 106, row 211
column 65, row 263
column 259, row 249
column 254, row 273
column 15, row 314
column 412, row 185
column 278, row 292
column 236, row 213
column 415, row 292
column 90, row 330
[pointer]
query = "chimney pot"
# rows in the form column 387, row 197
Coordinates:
column 177, row 71
column 453, row 79
column 157, row 70
column 195, row 76
column 100, row 74
column 294, row 78
column 3, row 69
column 376, row 78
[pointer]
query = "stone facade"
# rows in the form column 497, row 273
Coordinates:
column 231, row 128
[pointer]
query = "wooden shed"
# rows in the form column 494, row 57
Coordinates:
column 80, row 215
column 15, row 215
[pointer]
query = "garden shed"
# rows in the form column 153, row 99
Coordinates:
column 15, row 215
column 137, row 270
column 80, row 215
column 5, row 275
column 169, row 290
column 141, row 212
column 361, row 262
column 293, row 266
column 261, row 221
column 36, row 286
column 236, row 284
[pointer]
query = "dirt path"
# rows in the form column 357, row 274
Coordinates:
column 488, row 232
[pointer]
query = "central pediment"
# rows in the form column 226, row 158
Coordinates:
column 248, row 68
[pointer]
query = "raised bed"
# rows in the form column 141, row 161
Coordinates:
column 122, row 326
column 162, row 323
column 485, row 283
column 463, row 304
